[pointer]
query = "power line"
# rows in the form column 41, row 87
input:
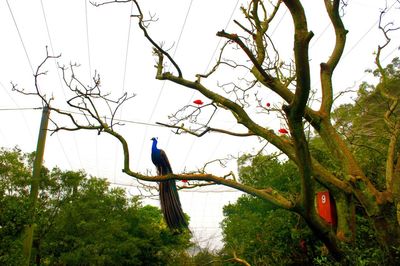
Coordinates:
column 87, row 40
column 77, row 113
column 28, row 59
column 366, row 33
column 173, row 55
column 20, row 108
column 20, row 37
column 208, row 65
column 319, row 37
column 220, row 39
column 123, row 82
column 119, row 120
column 357, row 43
column 127, row 50
column 61, row 86
column 279, row 22
column 90, row 76
column 163, row 83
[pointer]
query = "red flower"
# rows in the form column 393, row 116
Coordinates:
column 268, row 104
column 283, row 131
column 198, row 102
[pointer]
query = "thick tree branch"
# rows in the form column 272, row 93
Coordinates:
column 295, row 110
column 270, row 195
column 327, row 68
column 302, row 38
column 241, row 116
column 86, row 100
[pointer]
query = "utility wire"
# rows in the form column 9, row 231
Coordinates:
column 173, row 56
column 20, row 36
column 163, row 83
column 20, row 108
column 357, row 43
column 279, row 22
column 28, row 59
column 127, row 50
column 123, row 84
column 207, row 67
column 61, row 87
column 90, row 76
column 320, row 35
column 78, row 113
column 88, row 40
column 366, row 33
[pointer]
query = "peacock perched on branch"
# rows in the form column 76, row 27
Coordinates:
column 169, row 198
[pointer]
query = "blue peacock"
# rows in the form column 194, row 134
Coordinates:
column 169, row 197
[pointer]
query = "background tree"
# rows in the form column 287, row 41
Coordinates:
column 80, row 220
column 257, row 230
column 262, row 234
column 257, row 53
column 14, row 192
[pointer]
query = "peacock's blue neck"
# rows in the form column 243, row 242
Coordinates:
column 154, row 146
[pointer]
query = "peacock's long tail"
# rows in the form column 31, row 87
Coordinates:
column 171, row 205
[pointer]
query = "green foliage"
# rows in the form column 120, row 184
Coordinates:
column 262, row 235
column 80, row 221
column 320, row 152
column 14, row 191
column 365, row 249
column 364, row 126
column 268, row 171
column 254, row 229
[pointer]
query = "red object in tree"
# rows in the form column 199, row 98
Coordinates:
column 198, row 102
column 268, row 104
column 184, row 180
column 283, row 131
column 326, row 207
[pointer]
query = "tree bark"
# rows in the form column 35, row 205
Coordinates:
column 388, row 233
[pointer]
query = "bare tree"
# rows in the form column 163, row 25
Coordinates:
column 291, row 81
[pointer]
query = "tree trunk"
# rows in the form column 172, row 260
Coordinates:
column 345, row 216
column 327, row 237
column 388, row 233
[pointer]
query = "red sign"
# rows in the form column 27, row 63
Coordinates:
column 326, row 207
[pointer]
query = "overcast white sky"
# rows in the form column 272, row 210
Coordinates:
column 106, row 39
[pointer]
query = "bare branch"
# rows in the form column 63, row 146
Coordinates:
column 109, row 2
column 181, row 129
column 393, row 124
column 39, row 72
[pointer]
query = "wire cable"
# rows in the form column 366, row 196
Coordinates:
column 163, row 83
column 20, row 36
column 123, row 85
column 61, row 87
column 366, row 33
column 205, row 71
column 88, row 40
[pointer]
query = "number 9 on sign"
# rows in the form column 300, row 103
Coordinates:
column 323, row 199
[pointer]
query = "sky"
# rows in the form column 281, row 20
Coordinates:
column 107, row 40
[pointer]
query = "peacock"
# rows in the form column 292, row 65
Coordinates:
column 169, row 197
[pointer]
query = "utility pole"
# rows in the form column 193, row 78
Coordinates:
column 37, row 167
